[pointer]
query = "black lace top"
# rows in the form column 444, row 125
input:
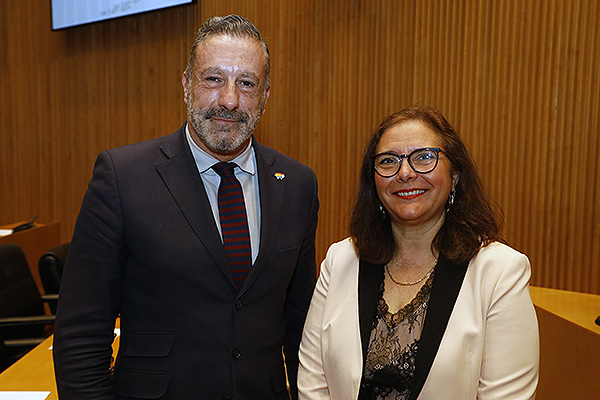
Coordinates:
column 393, row 345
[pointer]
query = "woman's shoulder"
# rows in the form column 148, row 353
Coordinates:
column 342, row 250
column 343, row 246
column 498, row 251
column 340, row 254
column 499, row 260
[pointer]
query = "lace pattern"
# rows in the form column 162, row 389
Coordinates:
column 393, row 345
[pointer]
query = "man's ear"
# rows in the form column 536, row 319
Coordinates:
column 267, row 93
column 184, row 83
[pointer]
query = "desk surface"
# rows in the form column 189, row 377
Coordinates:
column 569, row 344
column 581, row 309
column 35, row 371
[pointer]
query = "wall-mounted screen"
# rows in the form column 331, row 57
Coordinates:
column 67, row 13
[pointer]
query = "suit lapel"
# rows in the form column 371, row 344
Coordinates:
column 369, row 282
column 180, row 175
column 444, row 291
column 271, row 202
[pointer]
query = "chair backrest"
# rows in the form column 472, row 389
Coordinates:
column 19, row 295
column 51, row 266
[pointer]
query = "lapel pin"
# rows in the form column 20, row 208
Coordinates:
column 279, row 176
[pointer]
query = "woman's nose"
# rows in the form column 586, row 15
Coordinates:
column 406, row 172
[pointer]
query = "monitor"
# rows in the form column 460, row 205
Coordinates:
column 67, row 13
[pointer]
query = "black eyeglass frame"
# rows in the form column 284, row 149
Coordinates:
column 436, row 150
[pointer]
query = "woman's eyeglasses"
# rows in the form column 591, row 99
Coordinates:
column 421, row 161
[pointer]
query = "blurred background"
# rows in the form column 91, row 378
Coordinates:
column 519, row 79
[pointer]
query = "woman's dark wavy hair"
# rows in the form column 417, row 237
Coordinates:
column 472, row 221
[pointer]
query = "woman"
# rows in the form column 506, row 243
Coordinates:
column 423, row 300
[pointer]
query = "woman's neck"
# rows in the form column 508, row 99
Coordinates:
column 415, row 243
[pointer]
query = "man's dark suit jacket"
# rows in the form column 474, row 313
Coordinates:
column 146, row 246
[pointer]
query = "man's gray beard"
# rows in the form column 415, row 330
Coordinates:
column 222, row 141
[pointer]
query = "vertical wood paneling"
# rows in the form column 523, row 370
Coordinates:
column 519, row 79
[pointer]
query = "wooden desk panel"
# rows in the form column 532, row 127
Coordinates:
column 581, row 309
column 34, row 242
column 569, row 344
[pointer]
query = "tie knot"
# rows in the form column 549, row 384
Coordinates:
column 224, row 169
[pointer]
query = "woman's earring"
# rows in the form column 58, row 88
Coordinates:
column 382, row 211
column 450, row 200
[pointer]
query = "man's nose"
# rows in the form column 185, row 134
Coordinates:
column 229, row 97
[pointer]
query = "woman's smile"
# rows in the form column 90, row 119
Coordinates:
column 410, row 194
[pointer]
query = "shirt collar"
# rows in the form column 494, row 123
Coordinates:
column 205, row 161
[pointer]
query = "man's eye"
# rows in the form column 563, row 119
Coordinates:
column 210, row 80
column 247, row 84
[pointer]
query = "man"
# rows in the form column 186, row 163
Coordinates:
column 196, row 320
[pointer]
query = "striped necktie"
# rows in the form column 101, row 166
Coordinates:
column 234, row 223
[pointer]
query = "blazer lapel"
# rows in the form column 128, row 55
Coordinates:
column 271, row 202
column 180, row 175
column 444, row 291
column 369, row 282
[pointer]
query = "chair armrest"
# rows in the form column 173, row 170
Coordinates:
column 32, row 320
column 49, row 297
column 31, row 342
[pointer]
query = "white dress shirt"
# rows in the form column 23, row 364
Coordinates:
column 245, row 172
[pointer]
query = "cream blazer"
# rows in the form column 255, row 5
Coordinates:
column 489, row 348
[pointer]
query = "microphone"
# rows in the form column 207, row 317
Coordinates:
column 26, row 225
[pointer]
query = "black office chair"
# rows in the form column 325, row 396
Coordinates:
column 51, row 266
column 22, row 319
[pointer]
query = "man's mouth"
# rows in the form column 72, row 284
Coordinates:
column 226, row 120
column 226, row 116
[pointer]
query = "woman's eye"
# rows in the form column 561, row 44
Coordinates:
column 425, row 156
column 388, row 161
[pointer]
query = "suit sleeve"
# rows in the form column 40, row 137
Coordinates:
column 90, row 293
column 510, row 361
column 312, row 384
column 300, row 292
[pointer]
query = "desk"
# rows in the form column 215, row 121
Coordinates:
column 35, row 371
column 34, row 242
column 569, row 344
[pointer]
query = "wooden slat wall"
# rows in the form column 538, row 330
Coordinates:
column 518, row 78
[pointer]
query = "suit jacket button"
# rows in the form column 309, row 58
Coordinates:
column 236, row 354
column 239, row 304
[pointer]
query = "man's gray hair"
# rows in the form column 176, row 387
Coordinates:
column 231, row 25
